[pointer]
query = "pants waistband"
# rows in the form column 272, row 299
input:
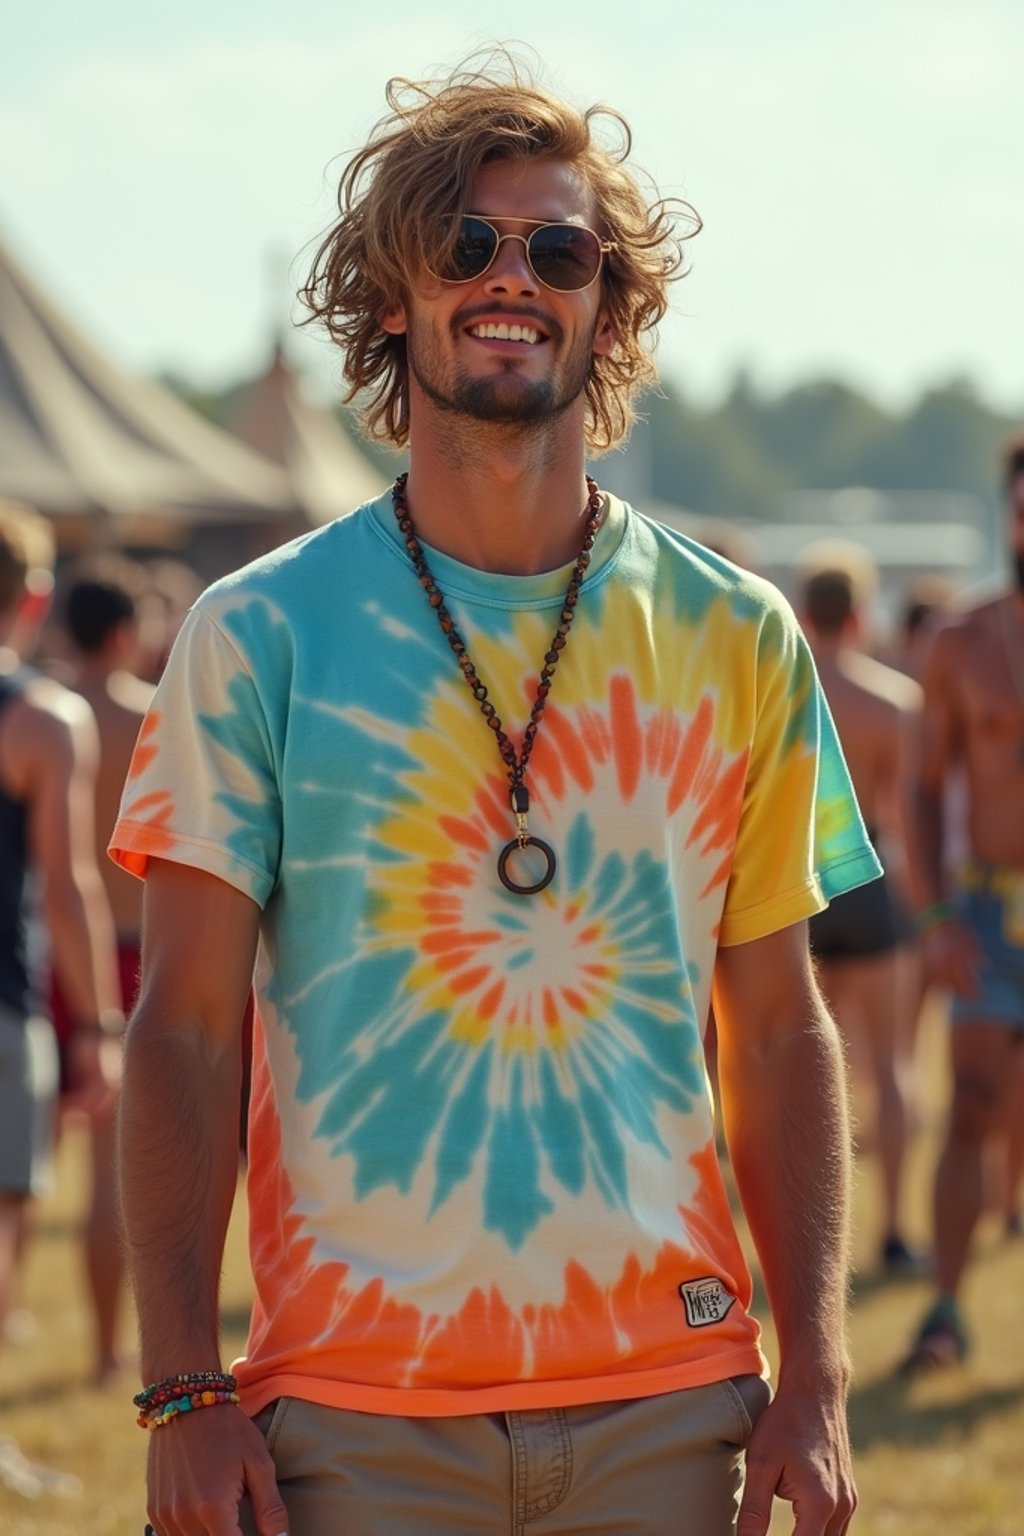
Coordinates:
column 999, row 879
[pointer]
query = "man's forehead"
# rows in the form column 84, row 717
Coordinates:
column 538, row 188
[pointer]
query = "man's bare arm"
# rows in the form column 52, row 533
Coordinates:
column 950, row 950
column 51, row 753
column 59, row 753
column 178, row 1137
column 178, row 1160
column 784, row 1100
column 936, row 749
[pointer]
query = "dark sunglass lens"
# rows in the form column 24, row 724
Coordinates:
column 565, row 256
column 472, row 252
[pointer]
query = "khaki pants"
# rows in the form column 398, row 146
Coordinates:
column 658, row 1466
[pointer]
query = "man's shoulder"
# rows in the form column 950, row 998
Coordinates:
column 964, row 622
column 119, row 705
column 292, row 571
column 891, row 691
column 686, row 559
column 45, row 726
column 38, row 697
column 129, row 696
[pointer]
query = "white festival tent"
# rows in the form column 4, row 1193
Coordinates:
column 112, row 457
column 328, row 473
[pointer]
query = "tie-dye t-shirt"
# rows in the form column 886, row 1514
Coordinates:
column 482, row 1163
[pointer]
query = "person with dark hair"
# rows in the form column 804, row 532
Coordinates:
column 47, row 871
column 492, row 780
column 858, row 939
column 99, row 615
column 99, row 608
column 973, row 924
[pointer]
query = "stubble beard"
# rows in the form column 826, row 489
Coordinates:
column 502, row 399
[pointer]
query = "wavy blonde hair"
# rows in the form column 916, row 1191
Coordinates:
column 397, row 199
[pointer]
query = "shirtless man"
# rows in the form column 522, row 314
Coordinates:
column 973, row 721
column 101, row 623
column 47, row 763
column 857, row 940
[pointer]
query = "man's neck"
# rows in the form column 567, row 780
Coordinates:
column 514, row 505
column 92, row 671
column 827, row 650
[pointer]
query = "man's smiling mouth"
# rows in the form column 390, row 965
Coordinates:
column 493, row 331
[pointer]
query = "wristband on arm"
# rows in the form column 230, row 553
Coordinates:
column 161, row 1402
column 934, row 915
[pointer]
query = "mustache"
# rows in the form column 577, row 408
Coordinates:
column 510, row 312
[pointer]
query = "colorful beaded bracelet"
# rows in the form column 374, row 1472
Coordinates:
column 932, row 916
column 162, row 1400
column 187, row 1403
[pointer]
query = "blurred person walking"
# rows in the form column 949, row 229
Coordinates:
column 857, row 940
column 973, row 926
column 48, row 873
column 100, row 619
column 922, row 604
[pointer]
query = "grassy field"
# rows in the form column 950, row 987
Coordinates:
column 942, row 1454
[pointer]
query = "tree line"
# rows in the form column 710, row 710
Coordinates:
column 743, row 457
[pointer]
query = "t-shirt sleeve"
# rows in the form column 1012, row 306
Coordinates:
column 202, row 788
column 801, row 839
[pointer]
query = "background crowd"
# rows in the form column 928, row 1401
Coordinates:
column 81, row 647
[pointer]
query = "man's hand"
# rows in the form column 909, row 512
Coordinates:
column 952, row 958
column 800, row 1452
column 94, row 1062
column 201, row 1465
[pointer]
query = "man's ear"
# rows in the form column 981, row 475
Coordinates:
column 394, row 321
column 605, row 336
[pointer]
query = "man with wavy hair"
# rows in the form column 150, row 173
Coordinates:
column 493, row 780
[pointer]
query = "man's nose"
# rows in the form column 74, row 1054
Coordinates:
column 510, row 271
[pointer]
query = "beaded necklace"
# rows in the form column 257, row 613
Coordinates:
column 515, row 764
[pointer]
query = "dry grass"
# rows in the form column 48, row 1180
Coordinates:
column 943, row 1454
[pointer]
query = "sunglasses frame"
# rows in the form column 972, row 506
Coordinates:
column 603, row 247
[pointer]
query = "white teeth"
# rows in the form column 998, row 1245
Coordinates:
column 491, row 332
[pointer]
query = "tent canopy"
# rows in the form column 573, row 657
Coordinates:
column 82, row 439
column 327, row 472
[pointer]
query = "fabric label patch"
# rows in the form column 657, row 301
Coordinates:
column 706, row 1301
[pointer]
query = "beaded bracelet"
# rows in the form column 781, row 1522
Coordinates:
column 184, row 1404
column 931, row 916
column 164, row 1400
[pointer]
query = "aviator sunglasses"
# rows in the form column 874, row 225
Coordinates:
column 564, row 257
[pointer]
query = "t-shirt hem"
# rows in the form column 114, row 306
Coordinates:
column 840, row 874
column 859, row 867
column 771, row 916
column 133, row 845
column 437, row 1403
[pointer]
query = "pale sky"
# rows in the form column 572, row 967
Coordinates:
column 858, row 167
